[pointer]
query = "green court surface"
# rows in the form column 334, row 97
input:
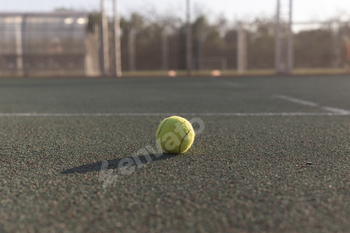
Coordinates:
column 273, row 156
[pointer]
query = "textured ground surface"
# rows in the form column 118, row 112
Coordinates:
column 243, row 173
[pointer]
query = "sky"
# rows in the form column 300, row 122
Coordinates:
column 304, row 10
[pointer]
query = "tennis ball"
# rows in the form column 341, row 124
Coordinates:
column 175, row 135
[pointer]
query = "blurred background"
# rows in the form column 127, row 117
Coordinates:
column 173, row 37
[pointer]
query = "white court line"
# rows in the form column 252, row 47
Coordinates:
column 298, row 101
column 271, row 114
column 332, row 112
column 312, row 104
column 337, row 110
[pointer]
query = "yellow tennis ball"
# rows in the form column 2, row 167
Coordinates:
column 175, row 135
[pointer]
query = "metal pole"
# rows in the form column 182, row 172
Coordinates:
column 278, row 39
column 105, row 44
column 117, row 52
column 189, row 41
column 290, row 39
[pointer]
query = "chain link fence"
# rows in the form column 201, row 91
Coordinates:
column 154, row 44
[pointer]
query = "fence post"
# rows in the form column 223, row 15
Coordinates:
column 290, row 55
column 117, row 52
column 241, row 49
column 19, row 44
column 105, row 44
column 189, row 41
column 278, row 39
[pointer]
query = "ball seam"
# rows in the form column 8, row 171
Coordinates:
column 162, row 128
column 183, row 140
